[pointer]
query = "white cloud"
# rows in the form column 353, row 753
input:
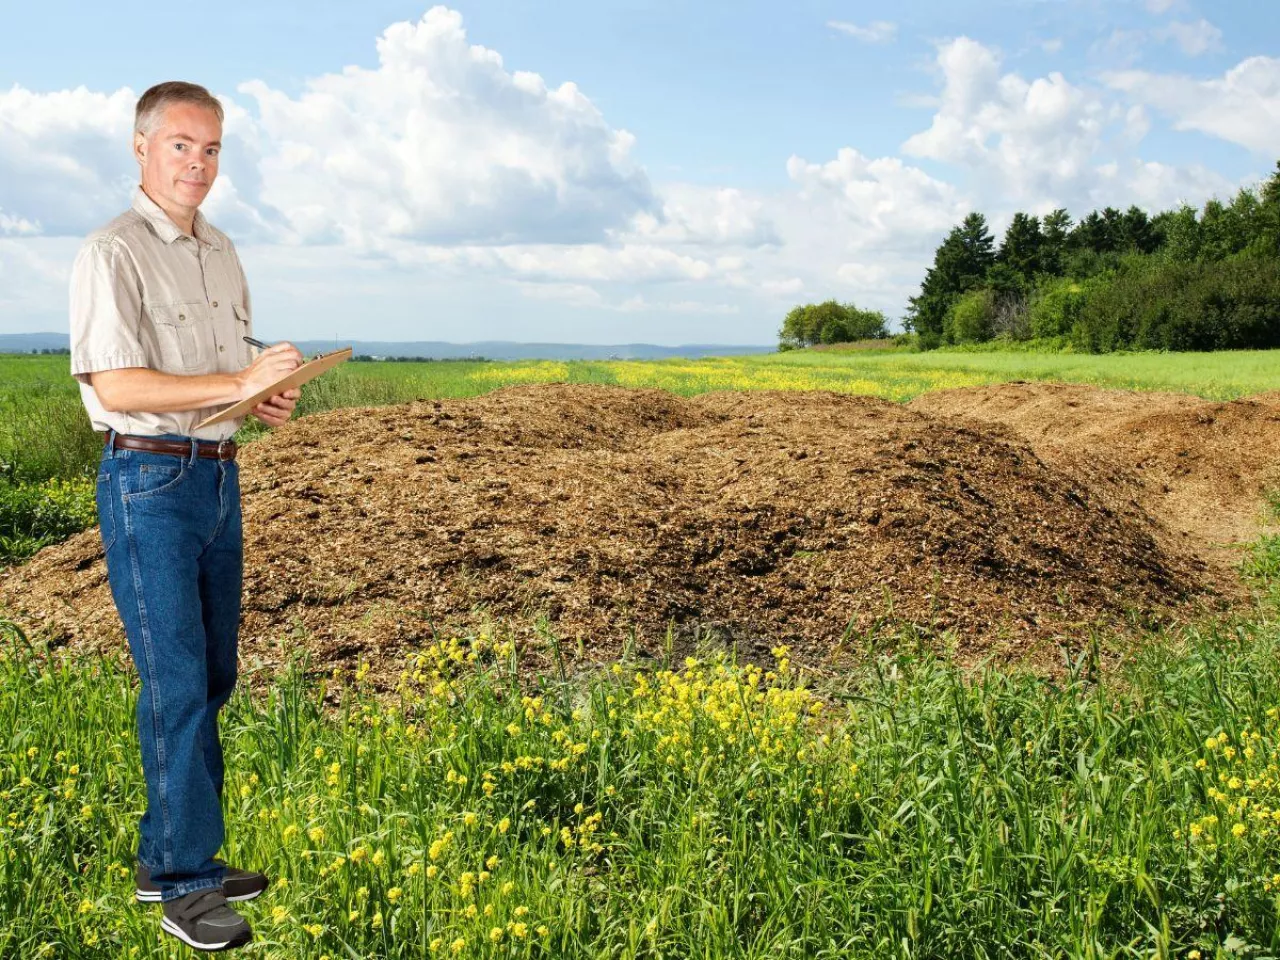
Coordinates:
column 17, row 226
column 636, row 263
column 1161, row 6
column 862, row 276
column 1119, row 48
column 1243, row 106
column 586, row 297
column 706, row 217
column 34, row 272
column 878, row 31
column 1032, row 137
column 64, row 157
column 441, row 144
column 1046, row 142
column 1052, row 45
column 1194, row 38
column 879, row 203
column 638, row 303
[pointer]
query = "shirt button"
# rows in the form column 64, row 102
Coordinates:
column 182, row 316
column 221, row 349
column 215, row 304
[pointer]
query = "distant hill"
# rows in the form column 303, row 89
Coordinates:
column 438, row 349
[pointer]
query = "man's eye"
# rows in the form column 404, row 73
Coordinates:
column 213, row 152
column 179, row 146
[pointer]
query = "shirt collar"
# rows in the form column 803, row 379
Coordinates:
column 165, row 228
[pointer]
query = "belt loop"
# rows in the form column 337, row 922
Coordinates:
column 195, row 451
column 111, row 442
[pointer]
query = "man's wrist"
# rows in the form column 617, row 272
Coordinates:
column 239, row 386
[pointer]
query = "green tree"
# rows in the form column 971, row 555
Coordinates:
column 1022, row 245
column 1055, row 232
column 960, row 264
column 830, row 322
column 1267, row 241
column 1137, row 232
column 1097, row 232
column 1181, row 229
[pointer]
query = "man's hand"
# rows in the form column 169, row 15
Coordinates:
column 268, row 367
column 276, row 410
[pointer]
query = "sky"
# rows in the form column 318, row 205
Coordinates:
column 620, row 170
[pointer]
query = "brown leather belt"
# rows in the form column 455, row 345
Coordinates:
column 208, row 449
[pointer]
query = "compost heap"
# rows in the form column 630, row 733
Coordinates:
column 613, row 516
column 1203, row 468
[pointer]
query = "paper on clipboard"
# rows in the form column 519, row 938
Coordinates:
column 308, row 371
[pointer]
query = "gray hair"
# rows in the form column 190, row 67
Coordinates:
column 153, row 103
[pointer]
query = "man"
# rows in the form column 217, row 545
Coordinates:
column 159, row 309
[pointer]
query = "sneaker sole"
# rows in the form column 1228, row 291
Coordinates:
column 170, row 927
column 148, row 896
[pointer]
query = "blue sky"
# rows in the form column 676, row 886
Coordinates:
column 614, row 172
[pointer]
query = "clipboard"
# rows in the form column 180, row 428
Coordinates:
column 308, row 371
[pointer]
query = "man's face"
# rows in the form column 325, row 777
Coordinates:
column 180, row 159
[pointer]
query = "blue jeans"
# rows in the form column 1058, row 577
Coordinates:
column 171, row 532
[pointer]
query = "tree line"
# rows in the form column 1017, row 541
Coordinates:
column 1184, row 279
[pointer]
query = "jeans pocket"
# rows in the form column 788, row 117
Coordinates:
column 147, row 479
column 106, row 511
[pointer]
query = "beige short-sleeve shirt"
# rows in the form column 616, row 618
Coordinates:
column 144, row 294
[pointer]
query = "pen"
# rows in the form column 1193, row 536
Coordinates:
column 263, row 346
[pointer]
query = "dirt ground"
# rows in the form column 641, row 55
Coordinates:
column 1201, row 467
column 1018, row 518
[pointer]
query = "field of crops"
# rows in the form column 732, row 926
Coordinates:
column 1125, row 805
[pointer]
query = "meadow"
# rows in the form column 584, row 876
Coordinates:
column 679, row 808
column 44, row 435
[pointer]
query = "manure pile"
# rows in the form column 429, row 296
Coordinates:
column 1199, row 466
column 763, row 517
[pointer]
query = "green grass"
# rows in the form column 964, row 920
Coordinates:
column 712, row 811
column 34, row 515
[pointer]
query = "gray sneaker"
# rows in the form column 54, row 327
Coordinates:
column 204, row 921
column 237, row 884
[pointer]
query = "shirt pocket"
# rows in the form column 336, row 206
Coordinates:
column 182, row 330
column 243, row 329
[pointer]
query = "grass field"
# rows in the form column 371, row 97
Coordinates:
column 685, row 809
column 689, row 809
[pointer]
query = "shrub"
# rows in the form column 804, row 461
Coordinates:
column 830, row 322
column 1056, row 307
column 971, row 318
column 33, row 515
column 1151, row 305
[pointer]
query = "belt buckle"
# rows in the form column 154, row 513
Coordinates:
column 221, row 445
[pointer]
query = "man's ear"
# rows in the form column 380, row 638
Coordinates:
column 140, row 148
